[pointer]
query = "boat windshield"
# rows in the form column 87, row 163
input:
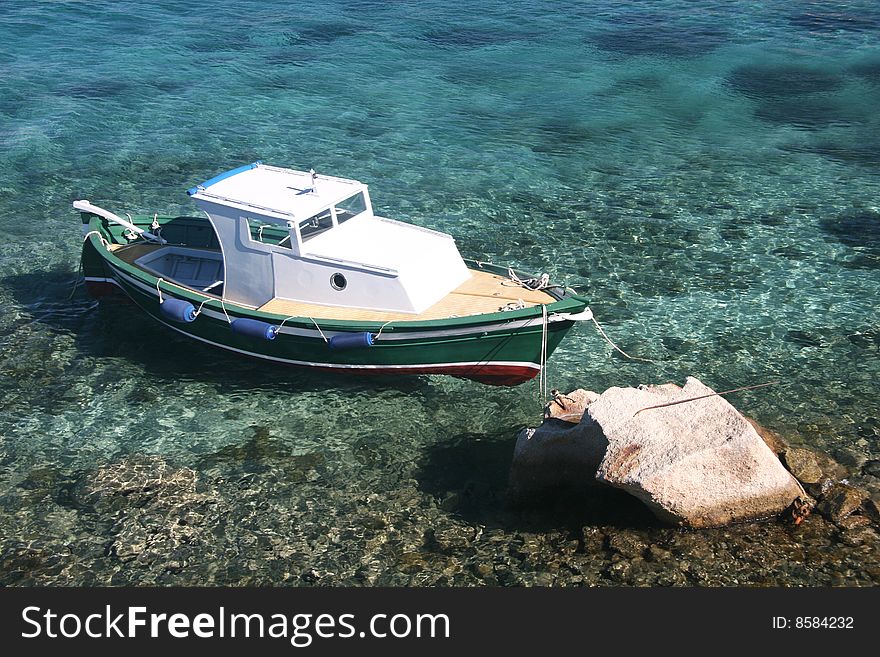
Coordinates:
column 350, row 207
column 268, row 233
column 321, row 222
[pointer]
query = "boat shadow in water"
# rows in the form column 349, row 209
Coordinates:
column 468, row 476
column 115, row 328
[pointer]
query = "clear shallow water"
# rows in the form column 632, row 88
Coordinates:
column 707, row 173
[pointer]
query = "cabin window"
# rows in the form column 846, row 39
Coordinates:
column 315, row 225
column 350, row 207
column 266, row 232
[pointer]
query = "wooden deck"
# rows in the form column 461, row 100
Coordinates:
column 483, row 293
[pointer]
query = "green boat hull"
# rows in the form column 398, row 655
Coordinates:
column 501, row 348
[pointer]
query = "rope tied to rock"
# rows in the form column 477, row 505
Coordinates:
column 587, row 314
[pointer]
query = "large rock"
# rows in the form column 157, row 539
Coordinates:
column 556, row 454
column 699, row 463
column 774, row 441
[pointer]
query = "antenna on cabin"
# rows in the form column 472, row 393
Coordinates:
column 314, row 176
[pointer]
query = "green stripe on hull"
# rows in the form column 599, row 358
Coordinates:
column 521, row 345
column 496, row 338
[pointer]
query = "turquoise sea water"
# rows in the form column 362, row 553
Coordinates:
column 707, row 173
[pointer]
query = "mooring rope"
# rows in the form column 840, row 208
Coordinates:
column 79, row 275
column 604, row 335
column 542, row 381
column 284, row 321
column 161, row 300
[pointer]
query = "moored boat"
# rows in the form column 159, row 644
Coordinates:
column 293, row 267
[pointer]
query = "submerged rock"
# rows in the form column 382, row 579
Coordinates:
column 768, row 81
column 18, row 560
column 450, row 539
column 850, row 459
column 654, row 34
column 871, row 508
column 831, row 469
column 853, row 522
column 802, row 463
column 872, row 468
column 158, row 512
column 132, row 482
column 859, row 537
column 832, row 474
column 841, row 501
column 627, row 545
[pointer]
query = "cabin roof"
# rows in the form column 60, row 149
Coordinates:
column 263, row 188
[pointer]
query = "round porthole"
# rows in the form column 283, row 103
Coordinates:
column 338, row 282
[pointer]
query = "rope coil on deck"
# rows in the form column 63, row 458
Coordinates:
column 538, row 283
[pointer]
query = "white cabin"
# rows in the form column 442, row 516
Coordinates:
column 336, row 252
